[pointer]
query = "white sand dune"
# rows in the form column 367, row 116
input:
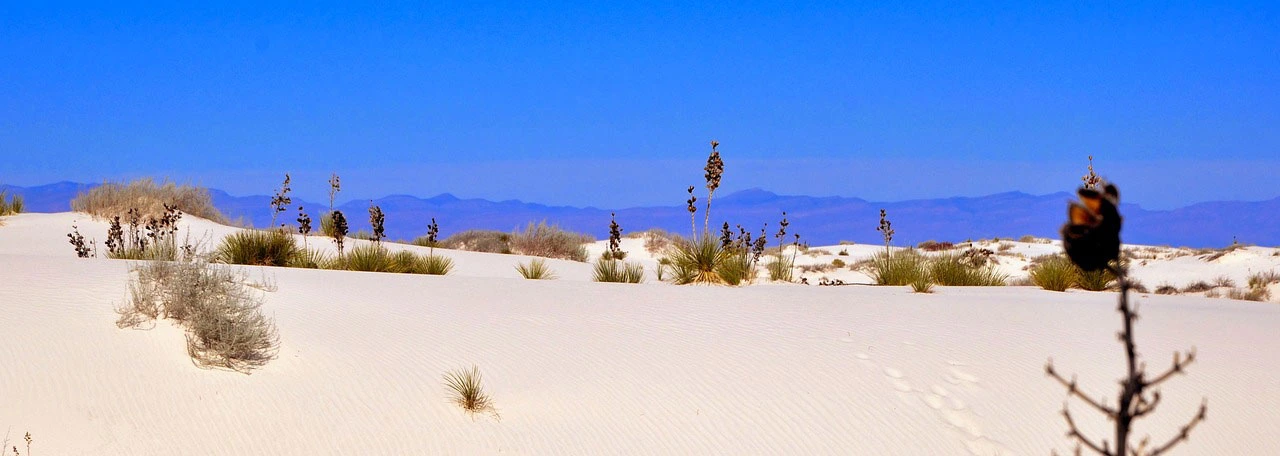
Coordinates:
column 577, row 367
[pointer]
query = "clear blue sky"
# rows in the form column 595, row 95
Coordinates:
column 613, row 105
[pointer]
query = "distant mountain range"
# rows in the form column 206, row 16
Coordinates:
column 819, row 220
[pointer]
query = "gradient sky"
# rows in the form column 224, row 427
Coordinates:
column 613, row 105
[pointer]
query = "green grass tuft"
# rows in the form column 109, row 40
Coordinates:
column 902, row 268
column 536, row 269
column 1056, row 273
column 467, row 391
column 617, row 271
column 260, row 248
column 698, row 261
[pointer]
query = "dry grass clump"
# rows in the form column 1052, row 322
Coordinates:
column 466, row 391
column 261, row 248
column 922, row 284
column 220, row 312
column 934, row 246
column 312, row 259
column 10, row 205
column 368, row 258
column 898, row 269
column 781, row 268
column 1249, row 294
column 657, row 240
column 375, row 257
column 551, row 242
column 536, row 269
column 1263, row 279
column 115, row 199
column 488, row 241
column 1100, row 280
column 1166, row 289
column 961, row 270
column 1197, row 287
column 617, row 271
column 1055, row 273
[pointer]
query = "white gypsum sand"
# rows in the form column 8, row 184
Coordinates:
column 576, row 367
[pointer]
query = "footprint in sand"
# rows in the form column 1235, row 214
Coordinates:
column 964, row 376
column 896, row 377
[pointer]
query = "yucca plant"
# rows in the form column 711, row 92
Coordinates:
column 1056, row 273
column 617, row 271
column 368, row 258
column 312, row 259
column 466, row 390
column 536, row 269
column 896, row 270
column 697, row 261
column 437, row 264
column 1099, row 280
column 923, row 283
column 259, row 248
column 735, row 268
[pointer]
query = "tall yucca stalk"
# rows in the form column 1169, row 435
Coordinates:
column 714, row 171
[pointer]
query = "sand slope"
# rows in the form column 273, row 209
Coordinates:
column 582, row 368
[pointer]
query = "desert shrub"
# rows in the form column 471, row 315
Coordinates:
column 10, row 205
column 837, row 263
column 1027, row 238
column 259, row 248
column 922, row 284
column 487, row 241
column 1055, row 273
column 843, row 252
column 221, row 314
column 1199, row 286
column 466, row 391
column 959, row 270
column 1100, row 280
column 617, row 271
column 898, row 269
column 820, row 267
column 1138, row 286
column 406, row 262
column 1263, row 279
column 656, row 240
column 934, row 246
column 781, row 269
column 368, row 258
column 327, row 227
column 436, row 265
column 537, row 269
column 551, row 242
column 364, row 235
column 1251, row 294
column 1166, row 289
column 1224, row 282
column 312, row 259
column 735, row 268
column 115, row 199
column 697, row 261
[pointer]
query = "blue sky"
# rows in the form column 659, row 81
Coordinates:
column 613, row 105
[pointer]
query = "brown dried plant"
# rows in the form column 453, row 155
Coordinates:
column 1091, row 239
column 714, row 172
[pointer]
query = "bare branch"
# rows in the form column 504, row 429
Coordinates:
column 1074, row 433
column 1144, row 406
column 1179, row 363
column 1074, row 390
column 1184, row 433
